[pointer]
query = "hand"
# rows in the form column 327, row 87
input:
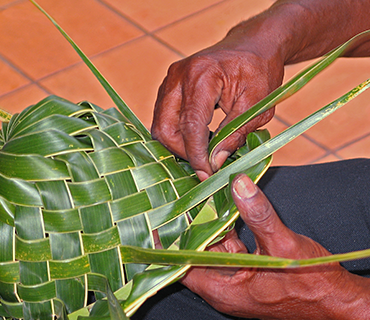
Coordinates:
column 243, row 68
column 222, row 76
column 319, row 292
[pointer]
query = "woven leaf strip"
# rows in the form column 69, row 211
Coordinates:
column 92, row 181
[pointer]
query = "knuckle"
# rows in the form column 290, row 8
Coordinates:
column 161, row 128
column 189, row 123
column 156, row 132
column 201, row 66
column 240, row 136
column 192, row 121
column 235, row 141
column 260, row 213
column 260, row 120
column 165, row 135
column 174, row 67
column 191, row 65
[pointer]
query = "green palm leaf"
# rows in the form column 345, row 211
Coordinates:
column 285, row 91
column 81, row 186
column 224, row 259
column 5, row 116
column 126, row 111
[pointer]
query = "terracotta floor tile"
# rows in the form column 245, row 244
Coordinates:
column 76, row 84
column 298, row 151
column 6, row 2
column 346, row 124
column 218, row 116
column 359, row 149
column 10, row 79
column 135, row 74
column 93, row 26
column 136, row 65
column 208, row 27
column 329, row 158
column 21, row 98
column 33, row 44
column 155, row 14
column 136, row 71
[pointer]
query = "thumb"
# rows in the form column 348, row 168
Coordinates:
column 271, row 235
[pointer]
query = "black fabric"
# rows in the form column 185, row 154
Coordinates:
column 329, row 203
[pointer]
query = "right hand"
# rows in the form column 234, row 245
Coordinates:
column 222, row 75
column 325, row 291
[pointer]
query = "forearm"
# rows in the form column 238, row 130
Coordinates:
column 294, row 31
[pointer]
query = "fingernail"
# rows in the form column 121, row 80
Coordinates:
column 244, row 187
column 219, row 159
column 202, row 175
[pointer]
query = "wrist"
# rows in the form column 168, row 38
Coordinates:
column 277, row 34
column 295, row 31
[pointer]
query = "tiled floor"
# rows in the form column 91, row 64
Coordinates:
column 133, row 42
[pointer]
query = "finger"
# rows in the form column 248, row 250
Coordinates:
column 233, row 244
column 200, row 96
column 238, row 138
column 195, row 135
column 165, row 127
column 272, row 236
column 230, row 243
column 194, row 280
column 214, row 283
column 228, row 146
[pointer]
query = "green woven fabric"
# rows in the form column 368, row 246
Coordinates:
column 76, row 182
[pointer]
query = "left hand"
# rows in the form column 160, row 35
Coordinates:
column 318, row 292
column 222, row 75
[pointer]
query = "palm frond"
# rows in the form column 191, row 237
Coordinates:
column 85, row 191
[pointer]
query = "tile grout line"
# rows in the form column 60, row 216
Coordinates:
column 79, row 62
column 23, row 74
column 15, row 68
column 145, row 31
column 141, row 28
column 91, row 57
column 152, row 33
column 190, row 15
column 346, row 145
column 324, row 156
column 8, row 5
column 318, row 144
column 38, row 80
column 329, row 151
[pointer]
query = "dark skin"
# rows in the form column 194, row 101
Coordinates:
column 320, row 292
column 234, row 74
column 243, row 68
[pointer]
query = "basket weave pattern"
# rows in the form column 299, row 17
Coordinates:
column 76, row 182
